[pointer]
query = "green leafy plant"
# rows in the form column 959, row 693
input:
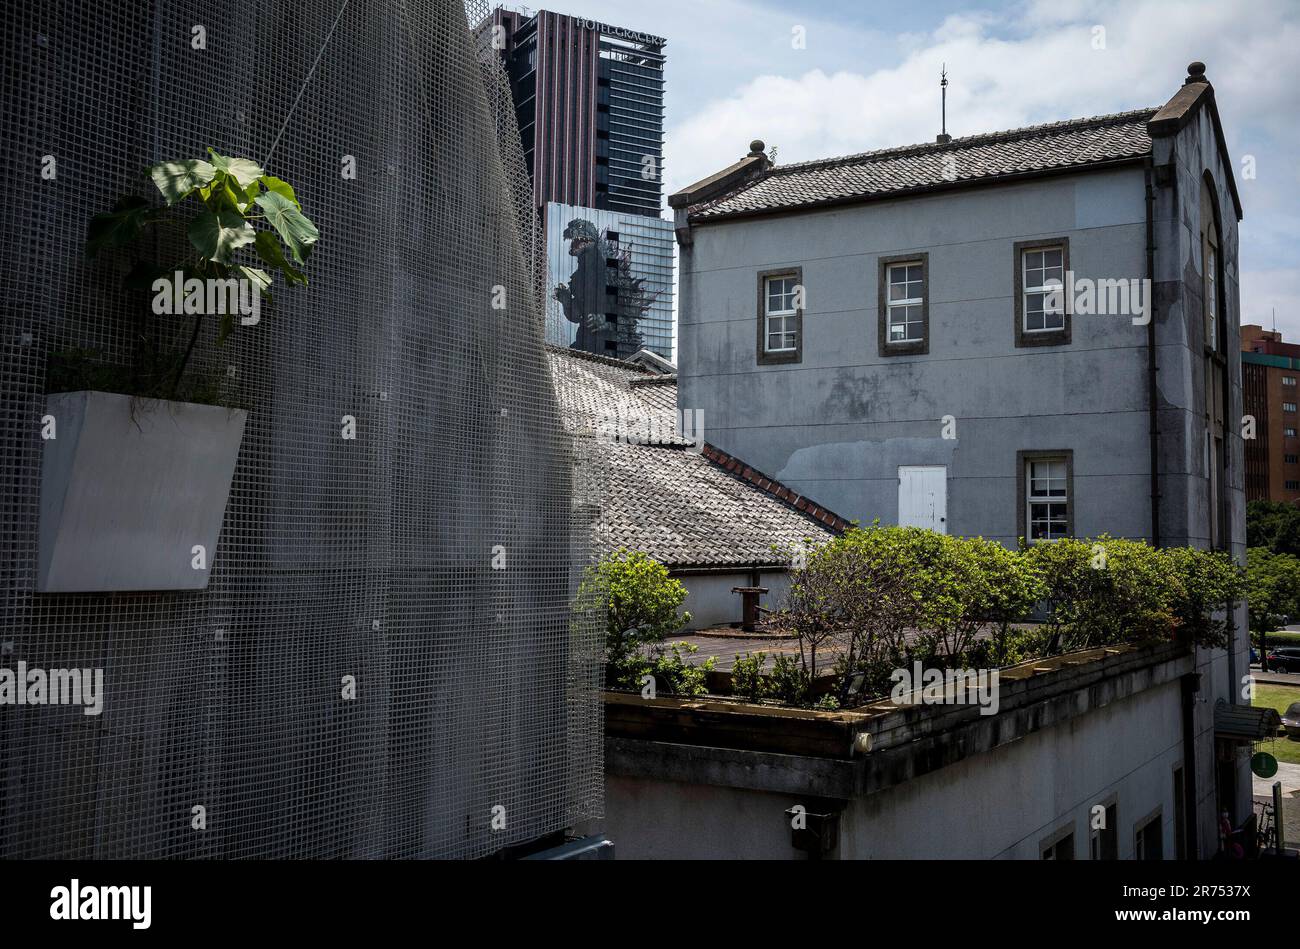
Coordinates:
column 237, row 221
column 641, row 603
column 887, row 596
column 747, row 676
column 675, row 676
column 789, row 681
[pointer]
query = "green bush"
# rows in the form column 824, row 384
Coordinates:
column 789, row 681
column 1204, row 584
column 675, row 676
column 1105, row 591
column 640, row 603
column 890, row 595
column 747, row 676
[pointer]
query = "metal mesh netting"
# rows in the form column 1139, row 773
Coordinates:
column 475, row 687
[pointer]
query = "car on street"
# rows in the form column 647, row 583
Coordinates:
column 1284, row 659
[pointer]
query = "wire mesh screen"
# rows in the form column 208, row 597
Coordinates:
column 433, row 558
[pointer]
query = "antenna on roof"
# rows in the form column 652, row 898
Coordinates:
column 943, row 138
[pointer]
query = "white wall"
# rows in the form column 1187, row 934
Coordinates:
column 710, row 601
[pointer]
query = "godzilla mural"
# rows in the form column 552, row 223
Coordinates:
column 603, row 299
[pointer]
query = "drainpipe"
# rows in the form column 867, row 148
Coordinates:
column 1191, row 684
column 1152, row 369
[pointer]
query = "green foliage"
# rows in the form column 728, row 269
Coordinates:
column 1202, row 585
column 1109, row 590
column 1272, row 588
column 298, row 233
column 211, row 202
column 1274, row 525
column 789, row 681
column 1104, row 592
column 226, row 190
column 890, row 595
column 747, row 676
column 1013, row 646
column 675, row 676
column 641, row 602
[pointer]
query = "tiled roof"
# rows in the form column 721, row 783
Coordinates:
column 685, row 508
column 1041, row 148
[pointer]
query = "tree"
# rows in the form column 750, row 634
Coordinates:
column 641, row 602
column 1275, row 525
column 1272, row 588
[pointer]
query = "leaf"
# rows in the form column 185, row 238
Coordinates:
column 261, row 279
column 119, row 226
column 281, row 188
column 216, row 236
column 176, row 179
column 268, row 248
column 243, row 170
column 298, row 233
column 237, row 196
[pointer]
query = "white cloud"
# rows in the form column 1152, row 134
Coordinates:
column 1029, row 63
column 1049, row 73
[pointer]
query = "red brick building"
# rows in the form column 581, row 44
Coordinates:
column 1270, row 371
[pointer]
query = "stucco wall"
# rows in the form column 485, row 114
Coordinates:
column 1001, row 804
column 710, row 601
column 837, row 425
column 1192, row 153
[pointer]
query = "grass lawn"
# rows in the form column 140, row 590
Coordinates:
column 1279, row 697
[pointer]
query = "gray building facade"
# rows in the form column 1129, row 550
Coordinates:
column 826, row 402
column 885, row 334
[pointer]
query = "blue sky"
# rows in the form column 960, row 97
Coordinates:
column 868, row 78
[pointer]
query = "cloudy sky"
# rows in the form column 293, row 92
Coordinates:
column 868, row 78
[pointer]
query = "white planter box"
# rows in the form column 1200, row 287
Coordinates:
column 127, row 495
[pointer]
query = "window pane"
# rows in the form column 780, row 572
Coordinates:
column 780, row 294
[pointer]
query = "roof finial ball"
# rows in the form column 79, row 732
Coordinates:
column 756, row 148
column 1195, row 73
